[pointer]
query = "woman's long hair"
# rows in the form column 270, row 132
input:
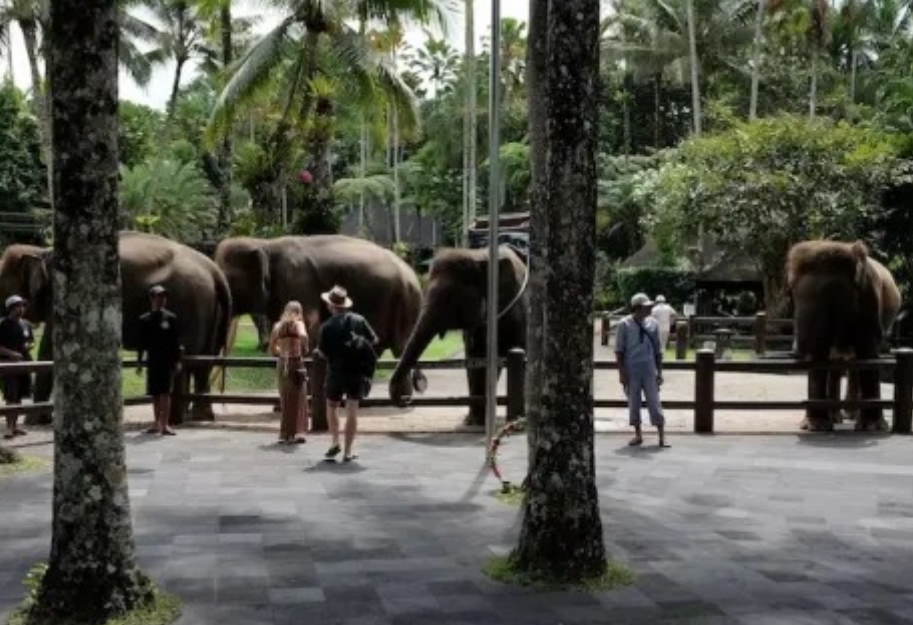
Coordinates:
column 290, row 316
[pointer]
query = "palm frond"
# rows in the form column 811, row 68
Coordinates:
column 251, row 71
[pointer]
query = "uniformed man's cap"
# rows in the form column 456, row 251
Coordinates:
column 13, row 300
column 158, row 289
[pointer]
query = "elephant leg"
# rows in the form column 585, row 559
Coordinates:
column 871, row 419
column 44, row 382
column 262, row 324
column 475, row 348
column 202, row 411
column 834, row 378
column 852, row 393
column 817, row 419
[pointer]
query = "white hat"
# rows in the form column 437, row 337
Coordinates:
column 13, row 300
column 660, row 299
column 639, row 300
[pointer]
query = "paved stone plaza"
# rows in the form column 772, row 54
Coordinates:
column 780, row 529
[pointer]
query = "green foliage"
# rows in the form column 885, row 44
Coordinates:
column 502, row 569
column 162, row 609
column 170, row 198
column 516, row 174
column 762, row 186
column 139, row 133
column 22, row 174
column 675, row 284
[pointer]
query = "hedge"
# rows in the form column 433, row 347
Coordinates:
column 677, row 285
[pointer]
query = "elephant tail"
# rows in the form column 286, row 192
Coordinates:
column 861, row 256
column 225, row 330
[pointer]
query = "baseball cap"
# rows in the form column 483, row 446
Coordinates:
column 13, row 300
column 660, row 299
column 158, row 289
column 639, row 300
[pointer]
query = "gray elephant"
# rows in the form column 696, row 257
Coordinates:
column 455, row 299
column 844, row 306
column 264, row 274
column 198, row 294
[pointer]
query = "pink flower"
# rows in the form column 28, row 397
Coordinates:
column 305, row 176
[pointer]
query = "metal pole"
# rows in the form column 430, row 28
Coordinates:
column 494, row 198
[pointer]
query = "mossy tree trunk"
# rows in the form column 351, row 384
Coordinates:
column 92, row 572
column 561, row 537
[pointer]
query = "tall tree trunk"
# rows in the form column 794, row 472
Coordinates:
column 561, row 536
column 854, row 60
column 92, row 572
column 469, row 123
column 756, row 61
column 695, row 72
column 536, row 77
column 657, row 110
column 813, row 87
column 29, row 30
column 175, row 89
column 227, row 148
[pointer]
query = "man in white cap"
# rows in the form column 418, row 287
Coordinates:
column 16, row 341
column 346, row 341
column 665, row 317
column 640, row 358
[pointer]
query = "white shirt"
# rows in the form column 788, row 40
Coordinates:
column 663, row 315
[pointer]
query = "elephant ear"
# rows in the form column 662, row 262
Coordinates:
column 36, row 274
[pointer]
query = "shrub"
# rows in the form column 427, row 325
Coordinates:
column 673, row 283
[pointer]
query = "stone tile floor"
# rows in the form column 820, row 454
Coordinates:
column 750, row 530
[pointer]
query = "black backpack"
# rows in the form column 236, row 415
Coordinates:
column 360, row 351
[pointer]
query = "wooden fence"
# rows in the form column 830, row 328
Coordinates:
column 758, row 332
column 704, row 404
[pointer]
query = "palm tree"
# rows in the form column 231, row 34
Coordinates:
column 311, row 30
column 436, row 61
column 818, row 34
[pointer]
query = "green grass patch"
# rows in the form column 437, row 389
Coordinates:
column 12, row 463
column 502, row 569
column 164, row 609
column 510, row 494
column 264, row 379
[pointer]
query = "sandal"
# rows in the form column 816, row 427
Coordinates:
column 332, row 452
column 298, row 440
column 350, row 458
column 664, row 444
column 636, row 442
column 169, row 433
column 152, row 431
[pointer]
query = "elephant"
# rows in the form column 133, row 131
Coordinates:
column 455, row 299
column 197, row 293
column 845, row 303
column 264, row 274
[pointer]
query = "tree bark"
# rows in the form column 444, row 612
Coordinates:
column 227, row 149
column 92, row 572
column 561, row 537
column 536, row 70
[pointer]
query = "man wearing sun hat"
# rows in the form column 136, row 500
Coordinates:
column 343, row 337
column 16, row 341
column 639, row 356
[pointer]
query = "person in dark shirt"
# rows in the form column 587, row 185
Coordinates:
column 16, row 342
column 160, row 338
column 343, row 375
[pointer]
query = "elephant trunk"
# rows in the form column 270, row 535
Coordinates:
column 421, row 337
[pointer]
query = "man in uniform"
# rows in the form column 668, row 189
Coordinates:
column 160, row 338
column 640, row 358
column 16, row 341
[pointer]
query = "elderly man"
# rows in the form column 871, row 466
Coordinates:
column 640, row 357
column 665, row 317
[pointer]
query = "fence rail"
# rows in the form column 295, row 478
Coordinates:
column 692, row 331
column 704, row 404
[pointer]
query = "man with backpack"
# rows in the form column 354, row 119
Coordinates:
column 347, row 342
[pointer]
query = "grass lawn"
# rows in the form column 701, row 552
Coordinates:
column 250, row 379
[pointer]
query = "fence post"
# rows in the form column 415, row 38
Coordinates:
column 605, row 329
column 903, row 391
column 681, row 339
column 516, row 383
column 703, row 392
column 760, row 333
column 317, row 378
column 692, row 335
